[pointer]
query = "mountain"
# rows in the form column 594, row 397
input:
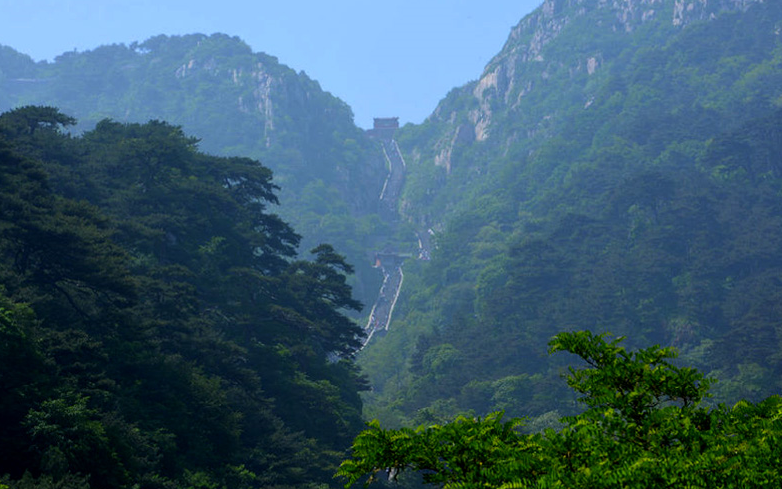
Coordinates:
column 614, row 168
column 238, row 103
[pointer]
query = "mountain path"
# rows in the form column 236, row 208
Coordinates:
column 390, row 262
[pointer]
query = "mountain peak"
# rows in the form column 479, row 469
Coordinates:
column 563, row 39
column 537, row 29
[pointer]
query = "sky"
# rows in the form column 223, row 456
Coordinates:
column 393, row 58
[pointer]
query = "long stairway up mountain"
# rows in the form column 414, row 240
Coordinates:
column 383, row 131
column 389, row 262
column 392, row 188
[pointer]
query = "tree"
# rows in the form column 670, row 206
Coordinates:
column 645, row 426
column 30, row 118
column 320, row 294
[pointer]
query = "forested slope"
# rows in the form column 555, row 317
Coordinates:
column 616, row 168
column 157, row 328
column 238, row 103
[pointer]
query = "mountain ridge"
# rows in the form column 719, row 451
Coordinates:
column 553, row 195
column 527, row 40
column 238, row 103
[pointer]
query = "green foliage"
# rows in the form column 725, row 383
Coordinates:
column 632, row 384
column 644, row 427
column 238, row 103
column 47, row 482
column 641, row 198
column 27, row 120
column 69, row 438
column 156, row 326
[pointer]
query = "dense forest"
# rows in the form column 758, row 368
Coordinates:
column 157, row 328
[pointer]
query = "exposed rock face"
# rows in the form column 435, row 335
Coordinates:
column 262, row 92
column 260, row 83
column 522, row 64
column 463, row 133
column 686, row 11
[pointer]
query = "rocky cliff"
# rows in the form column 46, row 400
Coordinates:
column 532, row 58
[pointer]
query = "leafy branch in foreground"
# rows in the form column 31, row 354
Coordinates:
column 644, row 426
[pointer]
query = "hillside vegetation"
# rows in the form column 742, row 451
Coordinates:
column 616, row 168
column 157, row 328
column 644, row 426
column 237, row 103
column 606, row 173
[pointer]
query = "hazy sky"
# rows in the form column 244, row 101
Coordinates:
column 392, row 58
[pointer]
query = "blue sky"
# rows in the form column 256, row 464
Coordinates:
column 392, row 58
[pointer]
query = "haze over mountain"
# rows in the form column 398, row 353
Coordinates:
column 383, row 59
column 601, row 174
column 616, row 167
column 238, row 103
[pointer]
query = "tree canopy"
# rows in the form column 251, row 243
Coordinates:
column 157, row 328
column 644, row 425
